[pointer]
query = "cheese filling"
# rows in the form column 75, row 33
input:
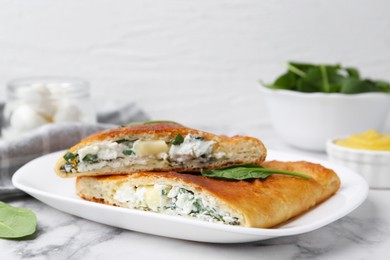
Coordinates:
column 172, row 200
column 140, row 152
column 191, row 147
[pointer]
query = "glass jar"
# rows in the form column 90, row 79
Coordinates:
column 33, row 102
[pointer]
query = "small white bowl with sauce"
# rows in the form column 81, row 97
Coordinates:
column 366, row 153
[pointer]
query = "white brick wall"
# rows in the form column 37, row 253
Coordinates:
column 197, row 62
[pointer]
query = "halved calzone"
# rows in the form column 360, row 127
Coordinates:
column 161, row 146
column 258, row 203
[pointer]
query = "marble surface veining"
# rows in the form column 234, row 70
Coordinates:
column 363, row 234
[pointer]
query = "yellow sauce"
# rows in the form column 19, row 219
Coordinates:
column 369, row 140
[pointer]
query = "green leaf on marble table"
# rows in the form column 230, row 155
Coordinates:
column 16, row 222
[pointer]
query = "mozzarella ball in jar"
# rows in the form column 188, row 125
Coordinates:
column 34, row 102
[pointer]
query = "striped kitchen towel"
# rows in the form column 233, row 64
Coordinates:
column 53, row 137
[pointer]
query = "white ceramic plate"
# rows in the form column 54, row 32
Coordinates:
column 38, row 179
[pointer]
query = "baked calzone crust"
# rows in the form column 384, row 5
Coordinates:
column 161, row 146
column 260, row 203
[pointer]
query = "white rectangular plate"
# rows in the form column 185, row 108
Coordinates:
column 38, row 179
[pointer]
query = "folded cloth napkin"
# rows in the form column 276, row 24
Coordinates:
column 54, row 137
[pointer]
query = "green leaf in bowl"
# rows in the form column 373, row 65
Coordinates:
column 309, row 78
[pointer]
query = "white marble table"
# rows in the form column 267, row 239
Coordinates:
column 363, row 234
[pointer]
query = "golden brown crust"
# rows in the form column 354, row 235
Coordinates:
column 169, row 129
column 166, row 131
column 263, row 203
column 327, row 178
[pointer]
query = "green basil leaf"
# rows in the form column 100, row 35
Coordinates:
column 296, row 70
column 336, row 80
column 309, row 78
column 301, row 66
column 354, row 86
column 16, row 222
column 353, row 73
column 152, row 122
column 286, row 81
column 382, row 86
column 320, row 79
column 177, row 140
column 247, row 171
column 307, row 86
column 93, row 158
column 69, row 157
column 324, row 79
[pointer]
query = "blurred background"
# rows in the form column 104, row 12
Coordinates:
column 196, row 62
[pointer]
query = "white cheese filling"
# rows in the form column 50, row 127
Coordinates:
column 103, row 150
column 120, row 154
column 117, row 163
column 192, row 147
column 172, row 200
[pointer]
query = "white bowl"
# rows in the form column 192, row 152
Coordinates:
column 374, row 166
column 308, row 120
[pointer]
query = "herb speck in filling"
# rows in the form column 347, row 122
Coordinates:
column 69, row 157
column 92, row 158
column 128, row 152
column 177, row 140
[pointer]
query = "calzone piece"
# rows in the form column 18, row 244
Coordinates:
column 161, row 146
column 260, row 203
